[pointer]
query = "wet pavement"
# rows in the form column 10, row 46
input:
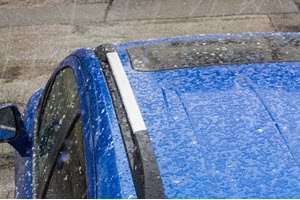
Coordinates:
column 35, row 35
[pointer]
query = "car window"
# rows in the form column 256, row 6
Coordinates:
column 60, row 99
column 211, row 51
column 68, row 179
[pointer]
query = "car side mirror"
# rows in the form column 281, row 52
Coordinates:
column 12, row 128
column 9, row 122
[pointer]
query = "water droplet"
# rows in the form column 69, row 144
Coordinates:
column 65, row 156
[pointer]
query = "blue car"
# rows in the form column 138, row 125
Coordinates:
column 207, row 116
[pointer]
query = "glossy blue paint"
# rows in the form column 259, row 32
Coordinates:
column 113, row 175
column 223, row 131
column 218, row 132
column 108, row 174
column 6, row 134
column 23, row 166
column 20, row 141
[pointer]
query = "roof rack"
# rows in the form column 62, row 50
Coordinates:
column 142, row 160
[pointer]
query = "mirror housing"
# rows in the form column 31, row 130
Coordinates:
column 9, row 121
column 12, row 128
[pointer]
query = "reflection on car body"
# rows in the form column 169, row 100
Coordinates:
column 209, row 116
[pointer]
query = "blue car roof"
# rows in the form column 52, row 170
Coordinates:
column 229, row 131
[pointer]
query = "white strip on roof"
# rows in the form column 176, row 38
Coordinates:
column 132, row 109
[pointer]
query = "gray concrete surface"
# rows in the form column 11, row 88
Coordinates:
column 158, row 9
column 35, row 35
column 62, row 14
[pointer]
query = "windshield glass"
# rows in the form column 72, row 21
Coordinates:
column 214, row 51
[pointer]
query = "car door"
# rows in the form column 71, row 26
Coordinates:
column 60, row 170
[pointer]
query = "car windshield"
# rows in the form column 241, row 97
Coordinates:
column 214, row 51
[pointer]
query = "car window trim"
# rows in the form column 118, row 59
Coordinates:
column 72, row 116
